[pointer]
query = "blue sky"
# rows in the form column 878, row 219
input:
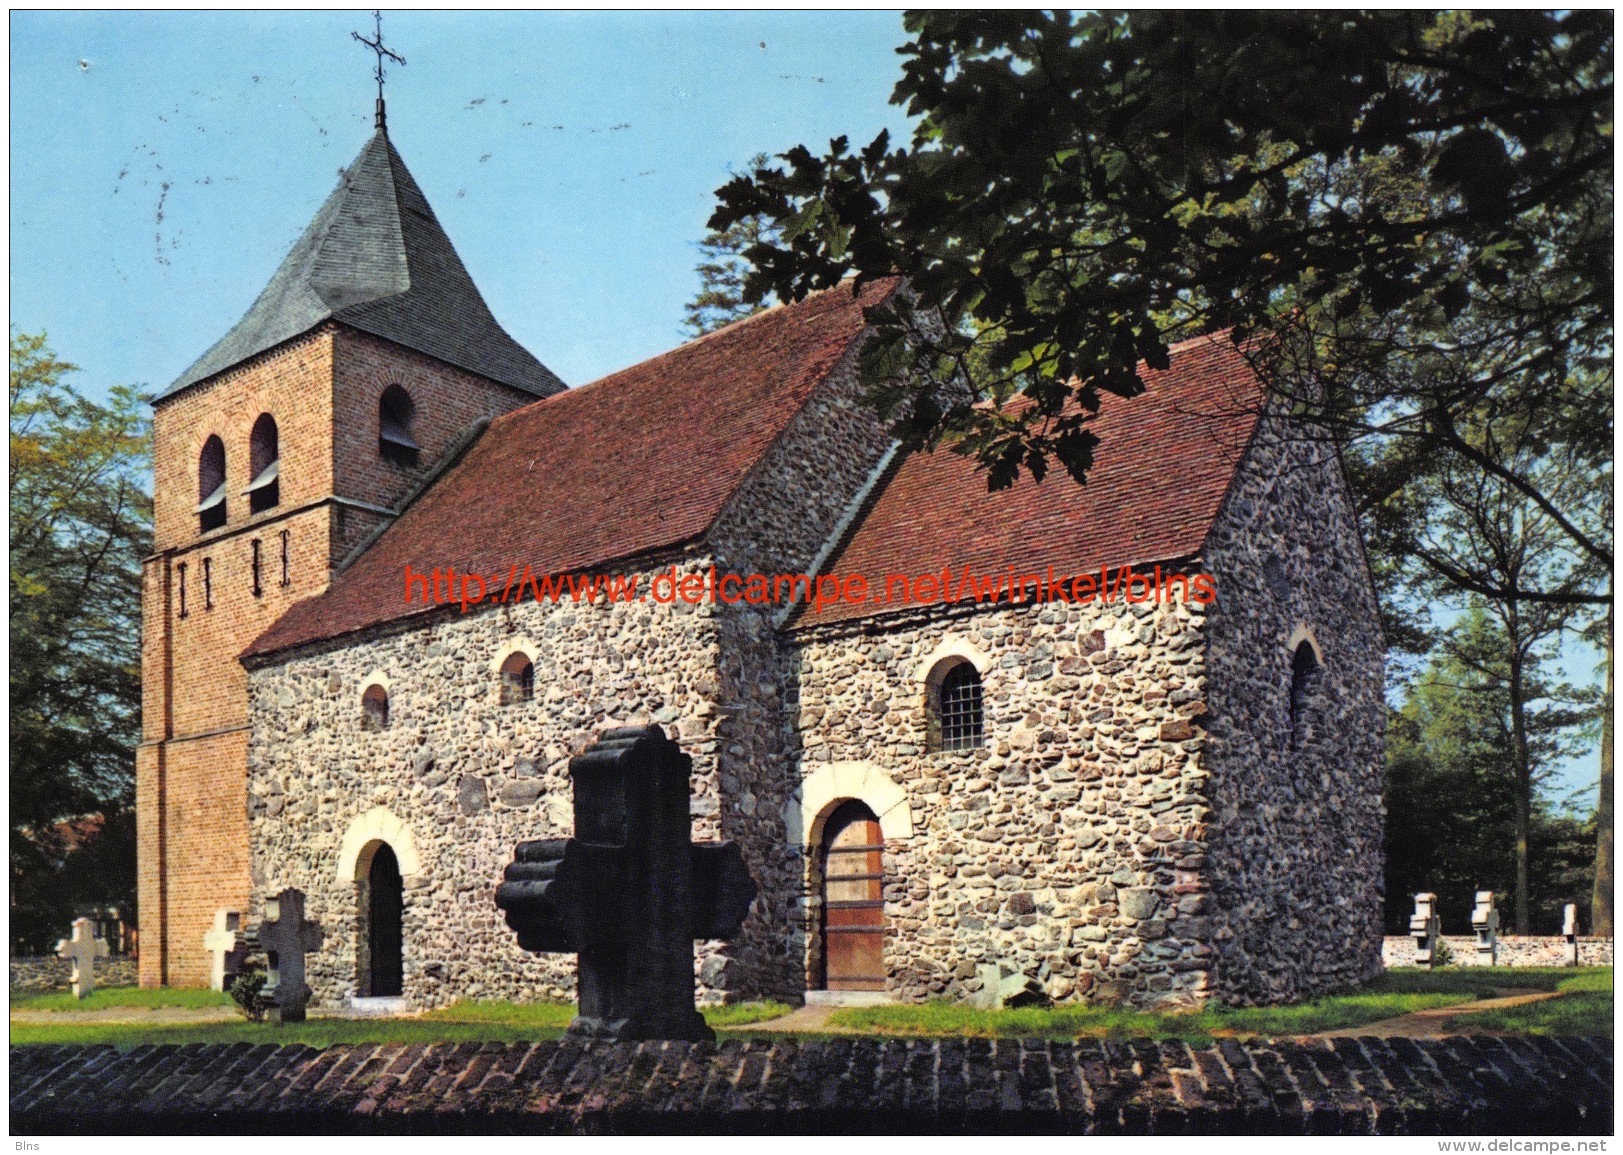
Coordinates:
column 164, row 162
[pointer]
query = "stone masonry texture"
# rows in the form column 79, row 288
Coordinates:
column 1122, row 835
column 322, row 388
column 1347, row 1086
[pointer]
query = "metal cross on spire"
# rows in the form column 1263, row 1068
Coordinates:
column 376, row 45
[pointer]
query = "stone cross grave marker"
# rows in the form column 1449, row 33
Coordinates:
column 631, row 891
column 1569, row 931
column 1485, row 924
column 286, row 937
column 227, row 948
column 82, row 950
column 1424, row 927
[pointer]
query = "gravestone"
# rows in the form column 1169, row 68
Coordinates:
column 631, row 891
column 82, row 950
column 1424, row 927
column 1569, row 931
column 1485, row 924
column 286, row 937
column 1005, row 985
column 226, row 947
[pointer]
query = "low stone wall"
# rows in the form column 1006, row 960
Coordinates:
column 1360, row 1086
column 49, row 973
column 1549, row 950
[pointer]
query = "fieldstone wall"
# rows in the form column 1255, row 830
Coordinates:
column 470, row 777
column 777, row 523
column 1532, row 950
column 1054, row 849
column 1292, row 855
column 36, row 975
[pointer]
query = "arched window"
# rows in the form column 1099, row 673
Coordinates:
column 395, row 442
column 211, row 485
column 374, row 708
column 518, row 679
column 263, row 465
column 1304, row 680
column 955, row 706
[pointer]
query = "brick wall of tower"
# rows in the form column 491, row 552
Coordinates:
column 446, row 400
column 191, row 792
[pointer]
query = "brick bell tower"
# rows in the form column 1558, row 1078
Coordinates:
column 361, row 365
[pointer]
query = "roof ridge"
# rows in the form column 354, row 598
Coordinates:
column 577, row 390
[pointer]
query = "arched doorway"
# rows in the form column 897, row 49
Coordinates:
column 384, row 906
column 853, row 900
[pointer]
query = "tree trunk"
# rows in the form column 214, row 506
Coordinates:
column 1600, row 917
column 1524, row 780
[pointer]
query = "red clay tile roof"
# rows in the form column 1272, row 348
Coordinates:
column 1162, row 466
column 638, row 461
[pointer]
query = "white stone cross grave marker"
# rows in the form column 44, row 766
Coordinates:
column 82, row 950
column 1569, row 931
column 222, row 943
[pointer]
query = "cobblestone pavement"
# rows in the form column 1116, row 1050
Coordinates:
column 1500, row 1086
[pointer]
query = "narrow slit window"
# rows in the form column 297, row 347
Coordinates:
column 254, row 566
column 181, row 571
column 208, row 584
column 1304, row 680
column 286, row 580
column 264, row 453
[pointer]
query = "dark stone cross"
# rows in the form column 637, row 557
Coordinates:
column 285, row 937
column 630, row 892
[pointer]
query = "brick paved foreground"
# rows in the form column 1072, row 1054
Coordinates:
column 1358, row 1086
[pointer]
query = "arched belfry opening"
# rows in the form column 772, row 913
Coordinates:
column 852, row 858
column 385, row 939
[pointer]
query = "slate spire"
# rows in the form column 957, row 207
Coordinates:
column 376, row 259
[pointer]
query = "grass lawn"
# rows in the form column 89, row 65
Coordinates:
column 1584, row 1008
column 107, row 998
column 475, row 1022
column 1398, row 992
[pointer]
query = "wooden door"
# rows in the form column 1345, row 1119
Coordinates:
column 853, row 900
column 384, row 941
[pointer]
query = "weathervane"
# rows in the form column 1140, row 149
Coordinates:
column 376, row 45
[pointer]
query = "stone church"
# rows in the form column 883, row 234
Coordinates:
column 1156, row 801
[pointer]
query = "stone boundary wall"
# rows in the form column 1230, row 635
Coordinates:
column 35, row 975
column 1361, row 1086
column 1534, row 950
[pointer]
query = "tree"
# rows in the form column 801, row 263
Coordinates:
column 1080, row 188
column 1452, row 793
column 1404, row 216
column 80, row 524
column 720, row 300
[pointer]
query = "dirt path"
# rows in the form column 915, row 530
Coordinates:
column 151, row 1016
column 807, row 1018
column 1439, row 1021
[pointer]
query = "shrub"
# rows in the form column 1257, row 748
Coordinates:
column 247, row 991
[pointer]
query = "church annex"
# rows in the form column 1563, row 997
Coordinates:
column 1157, row 802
